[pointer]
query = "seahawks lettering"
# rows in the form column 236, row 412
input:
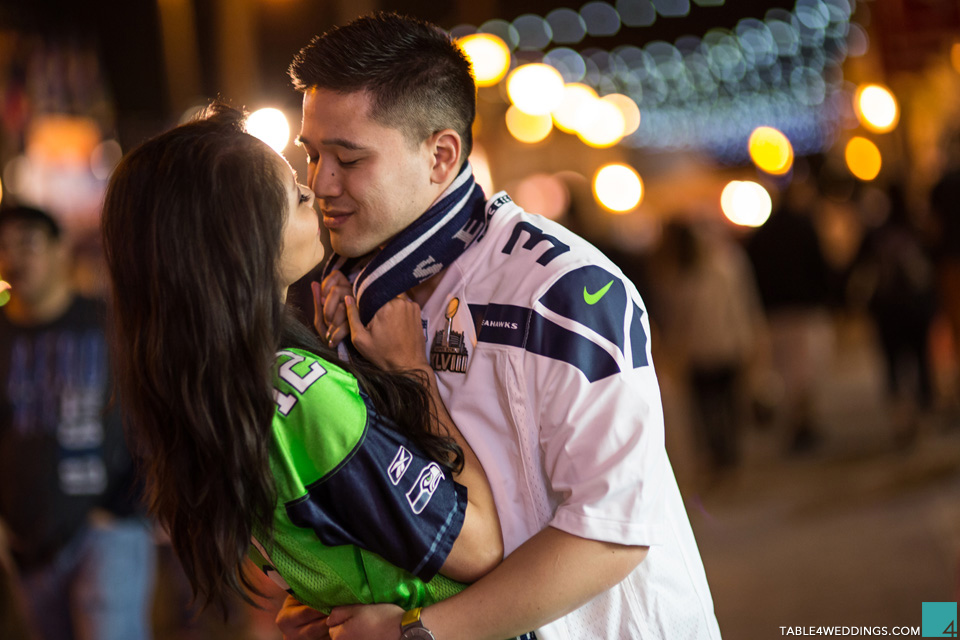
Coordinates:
column 500, row 324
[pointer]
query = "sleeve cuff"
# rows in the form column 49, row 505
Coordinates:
column 446, row 536
column 604, row 530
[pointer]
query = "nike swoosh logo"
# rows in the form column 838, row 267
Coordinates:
column 594, row 298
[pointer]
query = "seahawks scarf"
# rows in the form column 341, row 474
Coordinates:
column 423, row 249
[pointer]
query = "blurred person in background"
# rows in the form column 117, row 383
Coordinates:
column 893, row 275
column 713, row 325
column 945, row 210
column 795, row 283
column 82, row 551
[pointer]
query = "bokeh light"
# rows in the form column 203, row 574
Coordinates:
column 863, row 158
column 489, row 56
column 527, row 127
column 618, row 187
column 271, row 126
column 601, row 124
column 746, row 203
column 575, row 98
column 876, row 107
column 4, row 292
column 535, row 88
column 770, row 150
column 104, row 158
column 544, row 193
column 707, row 93
column 628, row 109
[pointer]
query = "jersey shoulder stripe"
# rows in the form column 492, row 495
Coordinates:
column 557, row 296
column 526, row 329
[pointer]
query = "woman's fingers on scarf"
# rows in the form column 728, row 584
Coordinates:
column 318, row 322
column 335, row 280
column 334, row 312
column 337, row 334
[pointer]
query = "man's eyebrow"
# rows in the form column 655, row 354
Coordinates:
column 332, row 142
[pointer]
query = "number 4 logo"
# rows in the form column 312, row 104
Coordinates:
column 939, row 620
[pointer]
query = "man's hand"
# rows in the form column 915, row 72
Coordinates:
column 297, row 621
column 329, row 311
column 366, row 622
column 394, row 339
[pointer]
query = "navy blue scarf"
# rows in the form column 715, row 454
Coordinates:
column 422, row 250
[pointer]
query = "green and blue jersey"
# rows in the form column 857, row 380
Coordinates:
column 362, row 515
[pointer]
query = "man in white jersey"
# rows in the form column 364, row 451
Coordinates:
column 539, row 343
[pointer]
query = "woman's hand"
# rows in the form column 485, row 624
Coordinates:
column 394, row 339
column 297, row 621
column 366, row 622
column 329, row 311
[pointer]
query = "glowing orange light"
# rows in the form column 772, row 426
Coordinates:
column 628, row 109
column 770, row 150
column 876, row 108
column 526, row 127
column 618, row 187
column 863, row 158
column 536, row 88
column 489, row 57
column 746, row 203
column 576, row 97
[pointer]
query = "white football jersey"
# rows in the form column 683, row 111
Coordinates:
column 542, row 352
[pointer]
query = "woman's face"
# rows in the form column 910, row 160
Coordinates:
column 301, row 250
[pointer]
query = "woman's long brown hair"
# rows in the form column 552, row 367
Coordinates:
column 192, row 228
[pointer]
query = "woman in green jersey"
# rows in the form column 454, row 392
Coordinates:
column 347, row 480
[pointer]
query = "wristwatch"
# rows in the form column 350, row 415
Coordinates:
column 412, row 629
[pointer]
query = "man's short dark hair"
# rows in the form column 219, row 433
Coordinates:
column 419, row 79
column 19, row 213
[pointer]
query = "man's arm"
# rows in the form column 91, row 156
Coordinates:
column 548, row 576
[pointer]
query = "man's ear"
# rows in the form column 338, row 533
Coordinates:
column 445, row 147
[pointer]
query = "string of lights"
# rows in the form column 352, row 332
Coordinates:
column 706, row 93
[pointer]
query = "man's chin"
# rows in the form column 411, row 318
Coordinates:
column 347, row 249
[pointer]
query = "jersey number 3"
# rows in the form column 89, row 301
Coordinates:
column 287, row 401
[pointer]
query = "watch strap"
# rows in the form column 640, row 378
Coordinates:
column 411, row 619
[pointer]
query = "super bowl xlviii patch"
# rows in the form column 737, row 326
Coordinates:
column 449, row 351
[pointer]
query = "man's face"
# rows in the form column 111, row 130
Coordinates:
column 30, row 259
column 370, row 180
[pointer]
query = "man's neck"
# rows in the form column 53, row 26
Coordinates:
column 42, row 312
column 422, row 292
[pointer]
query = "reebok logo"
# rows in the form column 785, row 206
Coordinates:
column 399, row 466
